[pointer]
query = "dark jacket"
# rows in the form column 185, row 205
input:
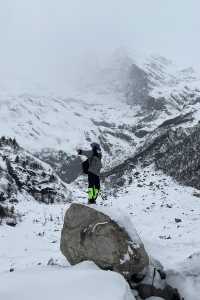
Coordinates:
column 95, row 164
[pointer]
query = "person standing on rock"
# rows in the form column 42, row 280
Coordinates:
column 92, row 167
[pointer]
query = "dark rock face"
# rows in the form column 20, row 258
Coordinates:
column 20, row 171
column 182, row 161
column 181, row 119
column 3, row 212
column 173, row 149
column 141, row 133
column 65, row 166
column 168, row 293
column 88, row 234
column 8, row 215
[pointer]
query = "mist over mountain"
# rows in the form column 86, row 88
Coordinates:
column 125, row 75
column 48, row 43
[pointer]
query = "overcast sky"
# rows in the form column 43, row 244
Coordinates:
column 44, row 38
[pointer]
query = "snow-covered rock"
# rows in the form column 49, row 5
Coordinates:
column 22, row 172
column 110, row 241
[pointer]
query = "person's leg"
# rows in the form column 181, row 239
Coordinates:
column 96, row 187
column 91, row 188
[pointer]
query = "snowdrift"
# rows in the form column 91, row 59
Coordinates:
column 85, row 282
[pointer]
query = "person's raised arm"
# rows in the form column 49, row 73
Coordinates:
column 87, row 153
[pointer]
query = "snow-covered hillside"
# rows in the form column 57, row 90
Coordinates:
column 117, row 104
column 23, row 176
column 145, row 114
column 165, row 214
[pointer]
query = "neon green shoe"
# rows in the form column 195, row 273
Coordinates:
column 90, row 193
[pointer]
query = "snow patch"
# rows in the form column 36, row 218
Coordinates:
column 84, row 281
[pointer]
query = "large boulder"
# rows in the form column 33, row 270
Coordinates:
column 107, row 239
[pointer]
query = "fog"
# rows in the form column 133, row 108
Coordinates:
column 47, row 40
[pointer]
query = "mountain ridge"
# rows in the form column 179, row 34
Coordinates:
column 126, row 102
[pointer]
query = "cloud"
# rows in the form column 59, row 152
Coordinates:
column 48, row 39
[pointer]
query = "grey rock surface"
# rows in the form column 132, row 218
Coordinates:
column 89, row 234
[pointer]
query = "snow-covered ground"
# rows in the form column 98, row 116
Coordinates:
column 84, row 281
column 165, row 214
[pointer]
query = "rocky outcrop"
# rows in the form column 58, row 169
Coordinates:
column 89, row 234
column 22, row 172
column 182, row 161
column 3, row 212
column 173, row 149
column 8, row 215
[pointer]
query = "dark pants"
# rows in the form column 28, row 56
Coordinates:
column 93, row 187
column 93, row 181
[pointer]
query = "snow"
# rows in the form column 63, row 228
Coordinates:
column 45, row 120
column 187, row 276
column 153, row 212
column 34, row 242
column 54, row 122
column 152, row 202
column 188, row 285
column 2, row 164
column 154, row 207
column 3, row 183
column 154, row 298
column 84, row 282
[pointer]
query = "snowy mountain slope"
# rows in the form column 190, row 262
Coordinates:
column 144, row 113
column 127, row 105
column 137, row 79
column 117, row 104
column 172, row 147
column 23, row 176
column 64, row 124
column 165, row 214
